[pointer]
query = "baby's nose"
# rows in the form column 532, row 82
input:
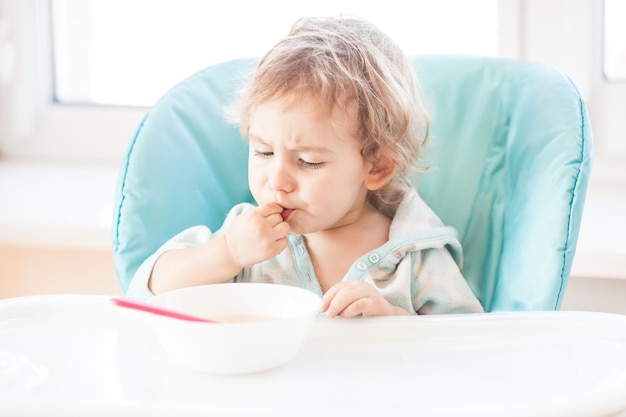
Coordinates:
column 280, row 179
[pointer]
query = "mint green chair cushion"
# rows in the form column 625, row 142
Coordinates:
column 510, row 155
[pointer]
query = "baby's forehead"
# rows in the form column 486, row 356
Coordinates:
column 302, row 113
column 303, row 100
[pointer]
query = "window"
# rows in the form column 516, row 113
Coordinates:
column 614, row 40
column 87, row 70
column 607, row 102
column 107, row 57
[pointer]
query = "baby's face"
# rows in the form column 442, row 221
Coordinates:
column 307, row 160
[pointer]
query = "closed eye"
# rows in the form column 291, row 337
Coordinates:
column 301, row 162
column 264, row 155
column 310, row 165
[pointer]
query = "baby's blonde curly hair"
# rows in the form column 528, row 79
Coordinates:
column 350, row 63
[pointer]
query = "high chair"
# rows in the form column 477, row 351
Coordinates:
column 510, row 154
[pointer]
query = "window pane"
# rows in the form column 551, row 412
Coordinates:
column 125, row 52
column 615, row 40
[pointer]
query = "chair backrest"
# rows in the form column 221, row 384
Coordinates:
column 510, row 155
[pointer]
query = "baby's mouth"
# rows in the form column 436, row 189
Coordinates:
column 286, row 213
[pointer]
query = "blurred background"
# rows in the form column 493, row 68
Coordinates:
column 77, row 76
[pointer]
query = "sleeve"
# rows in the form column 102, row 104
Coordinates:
column 440, row 288
column 193, row 236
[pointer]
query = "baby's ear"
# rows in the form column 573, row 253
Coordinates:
column 382, row 169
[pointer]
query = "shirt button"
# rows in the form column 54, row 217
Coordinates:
column 301, row 250
column 374, row 257
column 362, row 266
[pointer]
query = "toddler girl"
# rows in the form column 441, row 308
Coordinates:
column 335, row 124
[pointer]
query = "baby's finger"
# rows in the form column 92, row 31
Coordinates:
column 267, row 209
column 281, row 230
column 330, row 294
column 359, row 307
column 345, row 296
column 274, row 219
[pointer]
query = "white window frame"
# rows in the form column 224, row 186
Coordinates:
column 607, row 104
column 33, row 127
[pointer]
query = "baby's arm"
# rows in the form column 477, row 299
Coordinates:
column 252, row 237
column 207, row 263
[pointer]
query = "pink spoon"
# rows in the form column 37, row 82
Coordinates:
column 150, row 308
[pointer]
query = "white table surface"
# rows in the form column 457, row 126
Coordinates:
column 78, row 355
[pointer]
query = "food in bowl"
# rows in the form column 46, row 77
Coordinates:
column 240, row 318
column 260, row 326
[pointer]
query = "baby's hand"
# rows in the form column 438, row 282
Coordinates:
column 257, row 235
column 350, row 299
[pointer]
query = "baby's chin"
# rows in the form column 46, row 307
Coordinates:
column 297, row 228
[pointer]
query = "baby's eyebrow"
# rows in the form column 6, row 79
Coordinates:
column 314, row 149
column 304, row 148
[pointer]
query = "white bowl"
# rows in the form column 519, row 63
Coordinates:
column 283, row 317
